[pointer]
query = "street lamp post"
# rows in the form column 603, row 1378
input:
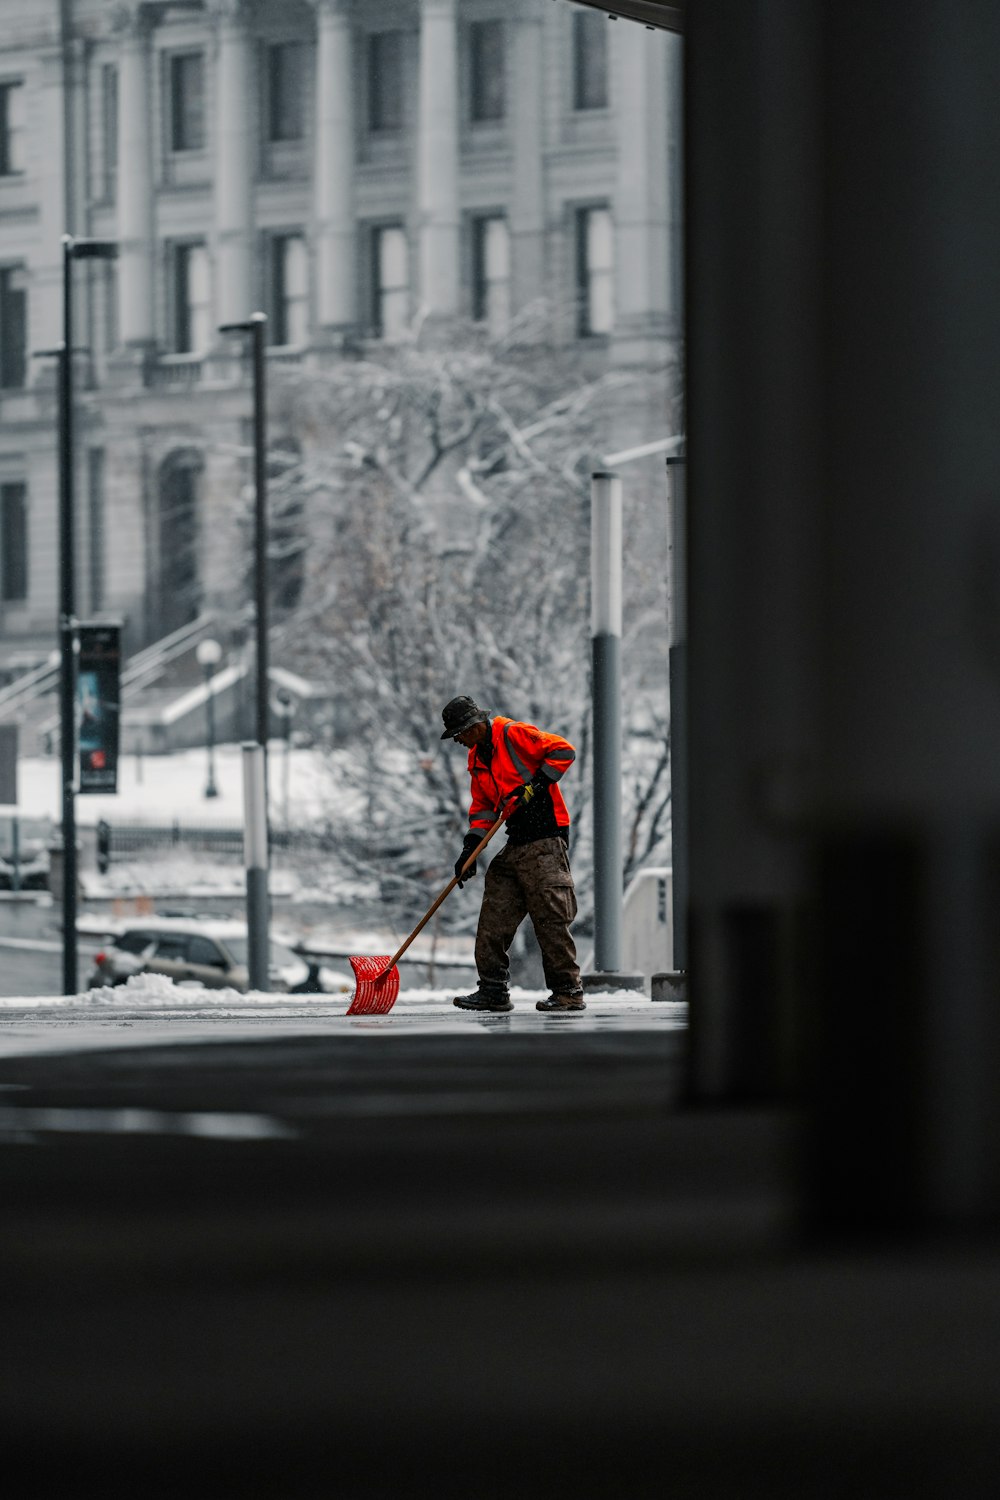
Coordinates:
column 209, row 654
column 257, row 842
column 73, row 249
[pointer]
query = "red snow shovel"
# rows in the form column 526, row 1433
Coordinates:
column 378, row 978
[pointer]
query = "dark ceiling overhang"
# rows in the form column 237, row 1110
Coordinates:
column 650, row 12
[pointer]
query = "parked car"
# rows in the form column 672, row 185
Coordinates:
column 24, row 850
column 212, row 953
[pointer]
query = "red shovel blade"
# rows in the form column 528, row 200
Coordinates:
column 377, row 987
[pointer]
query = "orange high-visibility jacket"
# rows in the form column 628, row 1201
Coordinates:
column 519, row 750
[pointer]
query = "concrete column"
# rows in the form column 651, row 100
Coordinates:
column 640, row 207
column 234, row 139
column 527, row 125
column 437, row 158
column 136, row 325
column 333, row 185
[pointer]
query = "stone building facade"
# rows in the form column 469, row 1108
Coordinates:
column 344, row 165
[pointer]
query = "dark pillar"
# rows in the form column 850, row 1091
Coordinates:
column 754, row 258
column 844, row 318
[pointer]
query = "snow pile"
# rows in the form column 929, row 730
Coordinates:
column 157, row 991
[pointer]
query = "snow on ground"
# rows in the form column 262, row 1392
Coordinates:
column 163, row 875
column 166, row 875
column 160, row 788
column 164, row 789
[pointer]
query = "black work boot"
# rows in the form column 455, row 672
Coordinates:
column 561, row 1004
column 494, row 997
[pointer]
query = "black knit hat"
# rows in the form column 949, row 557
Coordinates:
column 459, row 714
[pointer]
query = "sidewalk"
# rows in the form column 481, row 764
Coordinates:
column 151, row 1011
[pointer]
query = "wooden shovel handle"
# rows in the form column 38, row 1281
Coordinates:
column 447, row 891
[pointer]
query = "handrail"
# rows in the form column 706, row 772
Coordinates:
column 165, row 648
column 24, row 686
column 143, row 667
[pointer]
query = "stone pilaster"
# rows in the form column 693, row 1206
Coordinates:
column 437, row 159
column 47, row 163
column 234, row 162
column 640, row 204
column 136, row 300
column 527, row 213
column 333, row 181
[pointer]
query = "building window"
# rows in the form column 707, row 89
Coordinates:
column 192, row 300
column 590, row 61
column 13, row 327
column 13, row 543
column 109, row 127
column 390, row 281
column 12, row 134
column 385, row 80
column 286, row 81
column 491, row 273
column 289, row 290
column 487, row 70
column 95, row 506
column 187, row 101
column 595, row 262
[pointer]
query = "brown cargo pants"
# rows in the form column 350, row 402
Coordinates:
column 532, row 880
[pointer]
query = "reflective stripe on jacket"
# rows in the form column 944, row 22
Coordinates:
column 519, row 750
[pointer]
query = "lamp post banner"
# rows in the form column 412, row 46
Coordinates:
column 98, row 701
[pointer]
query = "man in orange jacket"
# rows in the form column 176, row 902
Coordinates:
column 530, row 876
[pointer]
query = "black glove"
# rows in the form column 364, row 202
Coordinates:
column 472, row 841
column 527, row 793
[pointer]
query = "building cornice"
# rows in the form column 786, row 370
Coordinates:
column 136, row 18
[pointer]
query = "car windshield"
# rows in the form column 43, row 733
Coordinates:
column 281, row 957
